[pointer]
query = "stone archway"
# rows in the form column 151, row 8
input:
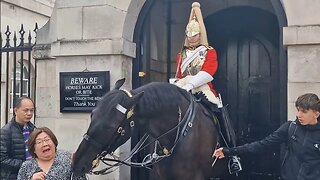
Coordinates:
column 178, row 16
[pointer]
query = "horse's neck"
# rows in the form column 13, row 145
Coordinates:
column 158, row 127
column 168, row 125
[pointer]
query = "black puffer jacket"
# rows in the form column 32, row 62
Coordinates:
column 12, row 149
column 302, row 161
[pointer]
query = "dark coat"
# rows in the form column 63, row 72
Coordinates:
column 302, row 160
column 12, row 149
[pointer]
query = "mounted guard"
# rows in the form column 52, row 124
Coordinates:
column 196, row 65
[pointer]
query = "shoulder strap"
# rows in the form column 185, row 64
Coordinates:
column 292, row 130
column 190, row 58
column 291, row 137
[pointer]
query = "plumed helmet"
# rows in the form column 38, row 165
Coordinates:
column 196, row 25
column 193, row 28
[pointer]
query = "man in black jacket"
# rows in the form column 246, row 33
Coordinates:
column 302, row 159
column 14, row 136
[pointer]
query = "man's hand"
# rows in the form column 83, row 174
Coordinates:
column 218, row 153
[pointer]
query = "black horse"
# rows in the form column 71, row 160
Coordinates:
column 185, row 130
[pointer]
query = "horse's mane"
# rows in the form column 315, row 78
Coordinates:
column 159, row 96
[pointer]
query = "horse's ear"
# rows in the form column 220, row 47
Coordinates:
column 119, row 83
column 135, row 99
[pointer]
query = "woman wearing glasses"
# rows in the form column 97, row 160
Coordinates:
column 47, row 162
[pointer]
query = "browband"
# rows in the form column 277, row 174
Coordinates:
column 122, row 109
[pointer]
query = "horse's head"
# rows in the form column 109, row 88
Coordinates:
column 109, row 127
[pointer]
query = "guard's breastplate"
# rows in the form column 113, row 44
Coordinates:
column 195, row 66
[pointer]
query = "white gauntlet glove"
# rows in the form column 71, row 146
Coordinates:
column 199, row 79
column 173, row 80
column 188, row 87
column 190, row 82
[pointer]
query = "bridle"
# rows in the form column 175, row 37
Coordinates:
column 188, row 119
column 117, row 134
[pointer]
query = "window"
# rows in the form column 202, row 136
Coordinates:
column 24, row 83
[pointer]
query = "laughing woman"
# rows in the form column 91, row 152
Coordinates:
column 47, row 163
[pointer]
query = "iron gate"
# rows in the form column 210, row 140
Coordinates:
column 17, row 68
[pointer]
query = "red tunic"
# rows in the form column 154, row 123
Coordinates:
column 210, row 66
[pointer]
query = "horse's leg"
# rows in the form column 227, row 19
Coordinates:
column 220, row 168
column 155, row 173
column 198, row 175
column 186, row 170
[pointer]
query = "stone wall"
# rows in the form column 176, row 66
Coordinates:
column 27, row 12
column 13, row 14
column 302, row 39
column 82, row 36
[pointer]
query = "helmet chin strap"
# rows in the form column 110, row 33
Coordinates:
column 194, row 45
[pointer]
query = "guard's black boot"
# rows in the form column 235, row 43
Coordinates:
column 234, row 165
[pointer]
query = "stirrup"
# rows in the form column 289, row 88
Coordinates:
column 234, row 165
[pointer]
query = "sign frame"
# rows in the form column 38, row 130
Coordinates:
column 80, row 91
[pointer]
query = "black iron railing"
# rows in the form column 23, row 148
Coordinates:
column 17, row 66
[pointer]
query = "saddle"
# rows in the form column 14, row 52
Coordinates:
column 221, row 120
column 226, row 133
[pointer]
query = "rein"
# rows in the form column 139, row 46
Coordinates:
column 118, row 133
column 150, row 159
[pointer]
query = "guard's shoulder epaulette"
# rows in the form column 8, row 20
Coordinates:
column 209, row 47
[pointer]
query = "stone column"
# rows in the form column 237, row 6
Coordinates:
column 81, row 35
column 302, row 39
